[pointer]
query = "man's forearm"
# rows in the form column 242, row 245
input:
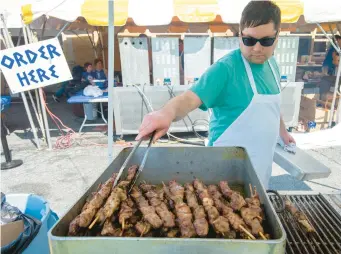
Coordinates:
column 181, row 105
column 282, row 128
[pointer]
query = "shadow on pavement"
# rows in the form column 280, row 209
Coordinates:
column 287, row 182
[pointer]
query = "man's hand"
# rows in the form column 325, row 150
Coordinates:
column 287, row 138
column 158, row 121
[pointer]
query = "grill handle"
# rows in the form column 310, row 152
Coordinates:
column 282, row 208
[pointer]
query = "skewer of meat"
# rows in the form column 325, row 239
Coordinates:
column 127, row 216
column 236, row 222
column 143, row 227
column 237, row 203
column 155, row 197
column 200, row 223
column 252, row 214
column 148, row 212
column 90, row 197
column 183, row 213
column 110, row 230
column 117, row 195
column 219, row 223
column 74, row 224
column 236, row 200
column 96, row 202
column 300, row 217
column 74, row 227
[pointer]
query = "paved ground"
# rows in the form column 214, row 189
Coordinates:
column 62, row 176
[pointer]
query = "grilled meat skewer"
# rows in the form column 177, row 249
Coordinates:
column 301, row 218
column 200, row 223
column 96, row 202
column 219, row 223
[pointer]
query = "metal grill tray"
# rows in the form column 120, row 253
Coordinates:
column 211, row 165
column 323, row 217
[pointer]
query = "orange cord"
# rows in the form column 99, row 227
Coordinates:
column 68, row 139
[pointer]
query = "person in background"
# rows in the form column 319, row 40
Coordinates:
column 329, row 62
column 69, row 85
column 329, row 67
column 88, row 74
column 100, row 73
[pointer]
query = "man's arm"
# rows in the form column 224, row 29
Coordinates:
column 180, row 106
column 203, row 94
column 287, row 138
column 175, row 109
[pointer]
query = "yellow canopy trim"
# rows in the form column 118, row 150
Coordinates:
column 196, row 11
column 96, row 12
column 291, row 10
column 27, row 13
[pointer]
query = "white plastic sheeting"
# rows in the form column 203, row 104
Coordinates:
column 325, row 11
column 151, row 12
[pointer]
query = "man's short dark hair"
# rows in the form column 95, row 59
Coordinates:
column 87, row 64
column 97, row 61
column 257, row 13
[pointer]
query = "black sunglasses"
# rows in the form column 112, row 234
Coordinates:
column 265, row 42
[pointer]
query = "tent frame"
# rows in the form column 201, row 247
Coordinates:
column 9, row 44
column 111, row 57
column 337, row 48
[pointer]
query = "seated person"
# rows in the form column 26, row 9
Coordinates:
column 68, row 88
column 329, row 63
column 100, row 73
column 330, row 66
column 89, row 74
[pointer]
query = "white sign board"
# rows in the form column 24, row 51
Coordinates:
column 34, row 65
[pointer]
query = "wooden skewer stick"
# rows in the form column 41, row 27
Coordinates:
column 251, row 192
column 145, row 227
column 263, row 236
column 122, row 227
column 94, row 222
column 247, row 232
column 255, row 191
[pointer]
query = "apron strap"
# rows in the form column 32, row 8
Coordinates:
column 250, row 75
column 276, row 78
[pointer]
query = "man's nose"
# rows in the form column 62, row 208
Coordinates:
column 257, row 47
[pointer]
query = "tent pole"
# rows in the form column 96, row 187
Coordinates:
column 63, row 29
column 10, row 44
column 111, row 57
column 38, row 113
column 336, row 88
column 100, row 36
column 42, row 101
column 338, row 111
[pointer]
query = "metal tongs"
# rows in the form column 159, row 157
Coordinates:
column 126, row 162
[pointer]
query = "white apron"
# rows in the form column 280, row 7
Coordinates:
column 257, row 128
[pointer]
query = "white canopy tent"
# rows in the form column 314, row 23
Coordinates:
column 157, row 13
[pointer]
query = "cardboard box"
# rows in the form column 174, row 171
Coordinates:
column 10, row 231
column 310, row 112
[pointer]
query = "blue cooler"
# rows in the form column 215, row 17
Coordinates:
column 38, row 208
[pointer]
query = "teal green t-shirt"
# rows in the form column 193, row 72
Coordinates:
column 225, row 88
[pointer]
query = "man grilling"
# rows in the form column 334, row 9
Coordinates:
column 243, row 91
